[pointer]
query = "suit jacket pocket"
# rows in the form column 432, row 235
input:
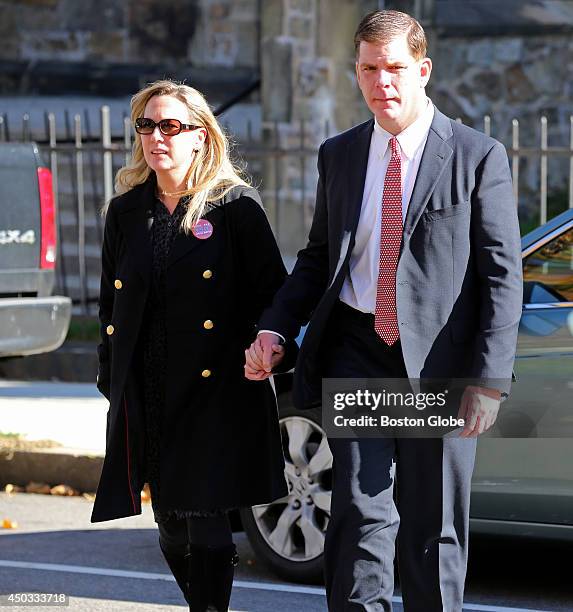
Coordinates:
column 463, row 208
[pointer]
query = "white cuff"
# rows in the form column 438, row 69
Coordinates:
column 270, row 331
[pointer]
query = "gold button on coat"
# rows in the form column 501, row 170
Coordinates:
column 109, row 330
column 118, row 284
column 206, row 373
column 207, row 274
column 208, row 324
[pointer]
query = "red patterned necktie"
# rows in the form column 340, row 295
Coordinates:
column 385, row 318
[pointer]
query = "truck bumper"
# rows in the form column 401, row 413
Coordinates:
column 33, row 325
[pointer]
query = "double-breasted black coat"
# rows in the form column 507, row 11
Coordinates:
column 220, row 443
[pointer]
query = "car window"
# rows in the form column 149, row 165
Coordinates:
column 548, row 272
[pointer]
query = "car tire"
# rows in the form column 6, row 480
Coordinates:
column 294, row 550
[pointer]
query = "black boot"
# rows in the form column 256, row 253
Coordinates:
column 221, row 563
column 179, row 566
column 197, row 591
column 205, row 576
column 211, row 578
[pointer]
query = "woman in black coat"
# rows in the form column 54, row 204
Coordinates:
column 188, row 264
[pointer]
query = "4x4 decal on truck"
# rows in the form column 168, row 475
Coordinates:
column 17, row 237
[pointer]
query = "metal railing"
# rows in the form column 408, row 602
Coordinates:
column 543, row 152
column 83, row 164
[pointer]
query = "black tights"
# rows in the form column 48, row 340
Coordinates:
column 203, row 532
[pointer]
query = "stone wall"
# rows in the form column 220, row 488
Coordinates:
column 227, row 34
column 308, row 93
column 509, row 78
column 203, row 32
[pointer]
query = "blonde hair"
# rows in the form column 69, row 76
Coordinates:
column 383, row 26
column 211, row 173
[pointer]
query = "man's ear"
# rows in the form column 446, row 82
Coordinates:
column 425, row 71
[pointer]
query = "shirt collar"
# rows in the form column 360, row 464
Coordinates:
column 413, row 136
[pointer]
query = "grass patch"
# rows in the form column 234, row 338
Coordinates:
column 557, row 202
column 83, row 329
column 10, row 435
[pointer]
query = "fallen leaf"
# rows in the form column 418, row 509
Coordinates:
column 11, row 489
column 64, row 490
column 8, row 524
column 89, row 496
column 38, row 487
column 145, row 494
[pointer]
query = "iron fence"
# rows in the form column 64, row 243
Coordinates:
column 280, row 159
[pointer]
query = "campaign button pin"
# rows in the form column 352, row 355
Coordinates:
column 202, row 229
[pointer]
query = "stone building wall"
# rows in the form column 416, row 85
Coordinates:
column 203, row 32
column 510, row 77
column 172, row 36
column 308, row 93
column 507, row 78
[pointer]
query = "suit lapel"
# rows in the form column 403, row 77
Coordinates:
column 435, row 157
column 357, row 151
column 357, row 163
column 136, row 220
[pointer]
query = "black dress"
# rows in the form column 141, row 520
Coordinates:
column 165, row 227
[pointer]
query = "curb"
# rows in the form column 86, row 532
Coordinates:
column 52, row 467
column 72, row 362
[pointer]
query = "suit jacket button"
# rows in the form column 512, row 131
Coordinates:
column 207, row 274
column 206, row 373
column 208, row 324
column 109, row 330
column 118, row 284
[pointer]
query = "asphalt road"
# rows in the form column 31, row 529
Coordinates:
column 115, row 565
column 118, row 566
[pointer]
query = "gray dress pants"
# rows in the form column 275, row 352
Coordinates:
column 426, row 520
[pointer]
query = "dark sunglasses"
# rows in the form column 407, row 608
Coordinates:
column 168, row 127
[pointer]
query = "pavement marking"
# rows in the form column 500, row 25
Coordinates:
column 241, row 584
column 84, row 569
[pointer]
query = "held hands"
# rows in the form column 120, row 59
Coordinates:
column 479, row 407
column 262, row 356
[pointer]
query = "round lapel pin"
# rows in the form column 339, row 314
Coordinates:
column 202, row 229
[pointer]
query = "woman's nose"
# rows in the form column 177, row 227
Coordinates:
column 156, row 135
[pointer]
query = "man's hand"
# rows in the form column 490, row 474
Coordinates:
column 479, row 407
column 262, row 356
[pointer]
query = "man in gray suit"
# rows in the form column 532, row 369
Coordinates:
column 412, row 269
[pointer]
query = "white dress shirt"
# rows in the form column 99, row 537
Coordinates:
column 359, row 287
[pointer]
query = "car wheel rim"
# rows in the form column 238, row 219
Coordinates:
column 294, row 527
